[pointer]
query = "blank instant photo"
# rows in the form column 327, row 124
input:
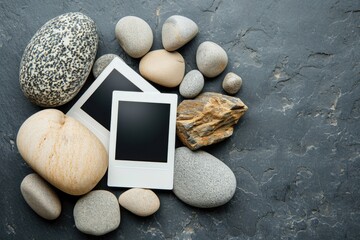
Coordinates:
column 142, row 140
column 93, row 109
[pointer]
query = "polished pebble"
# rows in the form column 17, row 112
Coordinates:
column 211, row 59
column 102, row 62
column 192, row 84
column 141, row 202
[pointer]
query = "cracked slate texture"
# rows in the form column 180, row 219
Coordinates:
column 295, row 153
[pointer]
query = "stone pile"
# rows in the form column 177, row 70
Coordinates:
column 67, row 155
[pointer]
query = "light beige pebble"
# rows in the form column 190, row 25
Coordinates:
column 63, row 151
column 134, row 35
column 141, row 202
column 163, row 67
column 177, row 31
column 232, row 83
column 39, row 195
column 211, row 59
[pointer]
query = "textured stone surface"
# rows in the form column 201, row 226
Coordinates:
column 58, row 59
column 40, row 196
column 192, row 84
column 295, row 153
column 102, row 62
column 141, row 202
column 211, row 59
column 201, row 180
column 63, row 151
column 208, row 119
column 232, row 83
column 97, row 213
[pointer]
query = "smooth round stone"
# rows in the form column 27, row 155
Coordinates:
column 58, row 59
column 134, row 35
column 141, row 202
column 63, row 151
column 201, row 180
column 163, row 67
column 192, row 84
column 40, row 196
column 102, row 62
column 232, row 83
column 211, row 59
column 97, row 213
column 177, row 31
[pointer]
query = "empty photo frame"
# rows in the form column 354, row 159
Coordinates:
column 142, row 140
column 93, row 109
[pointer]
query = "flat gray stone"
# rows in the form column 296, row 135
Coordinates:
column 201, row 180
column 40, row 196
column 58, row 59
column 97, row 213
column 192, row 84
column 177, row 31
column 102, row 62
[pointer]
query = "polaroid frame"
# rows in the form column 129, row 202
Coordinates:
column 139, row 173
column 85, row 118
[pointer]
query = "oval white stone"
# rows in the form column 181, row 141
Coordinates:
column 134, row 35
column 40, row 196
column 211, row 59
column 192, row 84
column 201, row 180
column 63, row 151
column 177, row 31
column 58, row 59
column 141, row 202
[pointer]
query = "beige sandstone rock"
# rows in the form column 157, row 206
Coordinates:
column 207, row 119
column 141, row 202
column 62, row 151
column 163, row 67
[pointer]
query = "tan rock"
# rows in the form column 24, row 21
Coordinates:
column 208, row 119
column 62, row 151
column 141, row 202
column 163, row 67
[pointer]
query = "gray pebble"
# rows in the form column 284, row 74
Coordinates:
column 134, row 35
column 177, row 31
column 201, row 180
column 97, row 213
column 211, row 59
column 40, row 196
column 58, row 59
column 102, row 62
column 232, row 83
column 192, row 84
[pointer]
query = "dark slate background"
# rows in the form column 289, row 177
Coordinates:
column 295, row 153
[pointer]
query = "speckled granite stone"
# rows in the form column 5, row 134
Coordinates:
column 58, row 59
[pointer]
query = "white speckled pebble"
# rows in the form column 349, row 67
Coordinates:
column 211, row 59
column 40, row 196
column 102, row 62
column 97, row 213
column 134, row 35
column 232, row 83
column 58, row 59
column 141, row 202
column 192, row 84
column 201, row 180
column 177, row 31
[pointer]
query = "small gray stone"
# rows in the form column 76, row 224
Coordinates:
column 40, row 196
column 97, row 213
column 211, row 59
column 232, row 83
column 134, row 35
column 58, row 59
column 201, row 180
column 177, row 31
column 192, row 84
column 102, row 62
